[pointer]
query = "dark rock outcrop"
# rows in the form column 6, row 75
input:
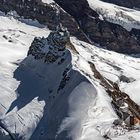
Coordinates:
column 125, row 3
column 44, row 13
column 136, row 34
column 121, row 101
column 106, row 34
column 56, row 42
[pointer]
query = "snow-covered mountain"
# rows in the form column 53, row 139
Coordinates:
column 56, row 87
column 83, row 22
column 110, row 26
column 126, row 17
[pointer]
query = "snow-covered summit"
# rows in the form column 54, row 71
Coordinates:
column 54, row 93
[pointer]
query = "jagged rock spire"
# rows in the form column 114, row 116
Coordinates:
column 59, row 38
column 52, row 47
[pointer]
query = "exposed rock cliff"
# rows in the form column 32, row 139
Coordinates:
column 125, row 3
column 43, row 12
column 82, row 22
column 106, row 34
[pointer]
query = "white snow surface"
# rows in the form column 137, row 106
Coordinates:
column 90, row 114
column 126, row 17
column 47, row 1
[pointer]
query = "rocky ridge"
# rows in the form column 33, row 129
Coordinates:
column 106, row 34
column 52, row 50
column 56, row 40
column 44, row 13
column 81, row 21
column 48, row 66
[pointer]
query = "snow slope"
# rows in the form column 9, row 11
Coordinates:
column 84, row 113
column 111, row 65
column 47, row 1
column 128, row 18
column 21, row 109
column 14, row 46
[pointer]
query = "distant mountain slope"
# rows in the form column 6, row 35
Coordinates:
column 84, row 22
column 126, row 17
column 44, row 12
column 104, row 26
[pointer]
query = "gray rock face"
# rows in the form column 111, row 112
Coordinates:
column 59, row 38
column 106, row 34
column 125, row 3
column 56, row 41
column 111, row 36
column 44, row 13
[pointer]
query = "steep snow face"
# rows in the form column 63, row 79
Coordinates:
column 128, row 18
column 85, row 112
column 117, row 67
column 31, row 108
column 112, row 66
